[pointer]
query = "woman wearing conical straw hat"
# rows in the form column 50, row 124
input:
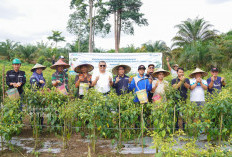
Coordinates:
column 197, row 86
column 60, row 78
column 37, row 80
column 83, row 79
column 159, row 85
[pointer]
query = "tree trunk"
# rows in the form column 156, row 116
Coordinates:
column 116, row 31
column 119, row 29
column 90, row 25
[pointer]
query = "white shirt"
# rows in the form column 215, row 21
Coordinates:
column 160, row 88
column 198, row 93
column 174, row 73
column 103, row 84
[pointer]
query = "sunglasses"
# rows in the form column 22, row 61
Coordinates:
column 151, row 67
column 102, row 65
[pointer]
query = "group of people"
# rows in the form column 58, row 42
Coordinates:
column 150, row 85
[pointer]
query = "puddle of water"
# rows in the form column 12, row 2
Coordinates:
column 49, row 147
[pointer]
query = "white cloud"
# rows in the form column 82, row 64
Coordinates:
column 32, row 20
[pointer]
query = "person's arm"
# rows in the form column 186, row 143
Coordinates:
column 204, row 86
column 116, row 80
column 77, row 84
column 131, row 84
column 149, row 85
column 24, row 79
column 10, row 84
column 187, row 83
column 168, row 64
column 223, row 81
column 110, row 81
column 210, row 82
column 177, row 85
column 154, row 86
column 94, row 80
column 54, row 81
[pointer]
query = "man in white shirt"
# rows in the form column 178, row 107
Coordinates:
column 102, row 80
column 198, row 86
column 174, row 70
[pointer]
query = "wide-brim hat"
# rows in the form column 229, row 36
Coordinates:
column 60, row 63
column 126, row 68
column 78, row 68
column 197, row 70
column 166, row 73
column 38, row 66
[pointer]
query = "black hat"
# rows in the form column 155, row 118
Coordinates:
column 141, row 67
column 214, row 69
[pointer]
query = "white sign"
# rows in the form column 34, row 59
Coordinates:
column 113, row 59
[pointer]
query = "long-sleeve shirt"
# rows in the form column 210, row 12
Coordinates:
column 142, row 83
column 122, row 85
column 15, row 77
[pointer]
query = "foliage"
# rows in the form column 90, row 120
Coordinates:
column 56, row 37
column 7, row 49
column 193, row 30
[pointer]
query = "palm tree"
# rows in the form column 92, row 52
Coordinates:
column 27, row 52
column 157, row 46
column 56, row 37
column 7, row 48
column 190, row 31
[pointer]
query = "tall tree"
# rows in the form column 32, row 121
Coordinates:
column 126, row 13
column 193, row 30
column 89, row 16
column 7, row 48
column 56, row 37
column 27, row 52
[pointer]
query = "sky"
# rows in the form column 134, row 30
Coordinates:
column 31, row 21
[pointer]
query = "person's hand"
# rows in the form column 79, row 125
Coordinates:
column 117, row 79
column 198, row 80
column 15, row 85
column 41, row 81
column 182, row 78
column 150, row 80
column 19, row 84
column 57, row 81
column 97, row 78
column 167, row 59
column 110, row 79
column 157, row 83
column 223, row 79
column 212, row 78
column 130, row 79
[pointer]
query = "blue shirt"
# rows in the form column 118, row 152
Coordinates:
column 142, row 84
column 122, row 86
column 217, row 84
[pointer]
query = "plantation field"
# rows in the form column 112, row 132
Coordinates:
column 115, row 120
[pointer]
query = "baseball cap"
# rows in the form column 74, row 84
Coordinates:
column 214, row 69
column 61, row 57
column 141, row 67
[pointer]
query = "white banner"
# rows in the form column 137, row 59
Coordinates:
column 113, row 59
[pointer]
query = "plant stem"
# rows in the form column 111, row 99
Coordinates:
column 220, row 136
column 174, row 121
column 119, row 123
column 142, row 126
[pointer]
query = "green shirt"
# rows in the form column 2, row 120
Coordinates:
column 62, row 76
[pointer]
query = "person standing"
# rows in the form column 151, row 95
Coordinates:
column 174, row 70
column 60, row 78
column 150, row 71
column 181, row 84
column 121, row 81
column 83, row 79
column 159, row 86
column 140, row 82
column 102, row 80
column 215, row 82
column 197, row 86
column 37, row 80
column 16, row 78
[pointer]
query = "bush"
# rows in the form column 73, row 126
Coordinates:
column 41, row 60
column 47, row 64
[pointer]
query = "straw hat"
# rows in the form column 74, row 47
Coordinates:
column 38, row 66
column 166, row 73
column 60, row 63
column 197, row 70
column 78, row 68
column 126, row 67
